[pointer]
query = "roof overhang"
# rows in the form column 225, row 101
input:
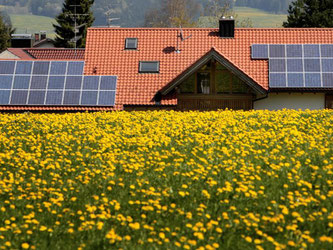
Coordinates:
column 213, row 54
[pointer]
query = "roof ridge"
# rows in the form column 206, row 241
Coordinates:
column 200, row 28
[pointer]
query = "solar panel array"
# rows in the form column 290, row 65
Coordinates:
column 53, row 83
column 297, row 65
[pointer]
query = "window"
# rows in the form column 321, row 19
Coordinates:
column 188, row 86
column 149, row 67
column 131, row 43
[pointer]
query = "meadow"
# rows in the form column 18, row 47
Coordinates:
column 167, row 180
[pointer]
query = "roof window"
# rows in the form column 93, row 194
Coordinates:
column 149, row 67
column 131, row 43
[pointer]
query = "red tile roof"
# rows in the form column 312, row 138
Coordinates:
column 56, row 54
column 105, row 53
column 21, row 53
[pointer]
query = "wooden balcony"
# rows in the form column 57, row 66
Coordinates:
column 214, row 102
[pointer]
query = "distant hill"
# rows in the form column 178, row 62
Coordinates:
column 32, row 24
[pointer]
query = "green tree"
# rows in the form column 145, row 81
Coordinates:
column 6, row 30
column 310, row 13
column 73, row 10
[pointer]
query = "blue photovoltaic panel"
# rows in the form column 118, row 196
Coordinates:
column 277, row 50
column 328, row 80
column 72, row 98
column 58, row 68
column 277, row 80
column 54, row 97
column 259, row 51
column 75, row 68
column 311, row 50
column 311, row 65
column 107, row 98
column 21, row 82
column 295, row 80
column 294, row 65
column 312, row 80
column 89, row 97
column 19, row 97
column 23, row 67
column 56, row 82
column 327, row 50
column 91, row 82
column 41, row 68
column 4, row 97
column 108, row 83
column 6, row 82
column 38, row 82
column 73, row 82
column 294, row 50
column 327, row 65
column 277, row 65
column 7, row 67
column 36, row 97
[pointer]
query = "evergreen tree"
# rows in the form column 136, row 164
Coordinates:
column 65, row 30
column 310, row 13
column 5, row 32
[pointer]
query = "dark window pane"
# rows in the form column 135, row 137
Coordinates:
column 238, row 86
column 223, row 82
column 7, row 67
column 36, row 97
column 58, row 68
column 327, row 50
column 91, row 82
column 149, row 67
column 89, row 98
column 75, row 68
column 277, row 65
column 21, row 82
column 188, row 85
column 72, row 98
column 106, row 98
column 131, row 43
column 23, row 67
column 311, row 50
column 41, row 68
column 108, row 83
column 4, row 97
column 311, row 65
column 327, row 79
column 295, row 80
column 277, row 80
column 327, row 65
column 295, row 65
column 54, row 97
column 312, row 80
column 203, row 83
column 6, row 82
column 73, row 82
column 259, row 51
column 38, row 82
column 294, row 50
column 276, row 50
column 19, row 97
column 56, row 82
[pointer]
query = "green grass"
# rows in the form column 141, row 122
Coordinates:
column 260, row 18
column 32, row 24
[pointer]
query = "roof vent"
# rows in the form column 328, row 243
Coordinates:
column 227, row 27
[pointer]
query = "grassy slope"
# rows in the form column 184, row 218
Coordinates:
column 32, row 23
column 260, row 18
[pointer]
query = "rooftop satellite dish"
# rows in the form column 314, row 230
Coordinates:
column 182, row 38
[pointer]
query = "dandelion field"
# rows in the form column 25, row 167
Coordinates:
column 167, row 180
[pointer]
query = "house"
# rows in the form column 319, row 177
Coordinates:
column 203, row 69
column 42, row 54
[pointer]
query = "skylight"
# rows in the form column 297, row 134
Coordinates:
column 149, row 67
column 131, row 43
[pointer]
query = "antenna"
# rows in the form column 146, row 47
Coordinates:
column 182, row 39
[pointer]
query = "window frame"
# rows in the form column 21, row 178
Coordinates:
column 126, row 43
column 150, row 71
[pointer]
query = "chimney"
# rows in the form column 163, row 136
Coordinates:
column 227, row 27
column 42, row 35
column 37, row 37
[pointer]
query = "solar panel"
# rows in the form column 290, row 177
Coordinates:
column 294, row 65
column 327, row 65
column 7, row 67
column 295, row 80
column 277, row 50
column 294, row 50
column 259, row 51
column 312, row 80
column 311, row 65
column 328, row 80
column 53, row 83
column 277, row 80
column 277, row 65
column 327, row 50
column 311, row 50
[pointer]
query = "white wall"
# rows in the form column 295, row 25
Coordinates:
column 276, row 101
column 8, row 55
